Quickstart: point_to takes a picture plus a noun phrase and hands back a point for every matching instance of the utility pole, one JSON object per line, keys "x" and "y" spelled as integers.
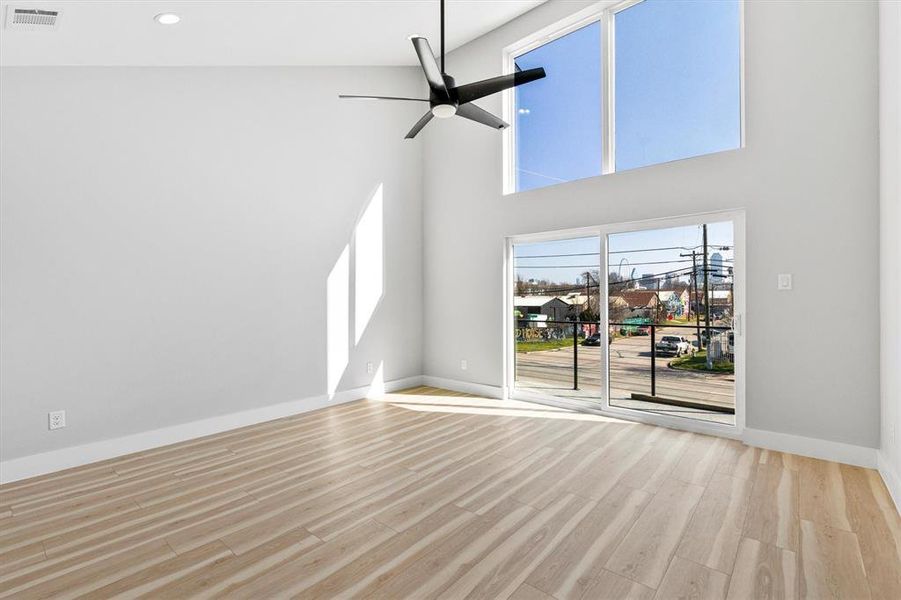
{"x": 657, "y": 306}
{"x": 693, "y": 282}
{"x": 707, "y": 298}
{"x": 587, "y": 290}
{"x": 732, "y": 296}
{"x": 691, "y": 294}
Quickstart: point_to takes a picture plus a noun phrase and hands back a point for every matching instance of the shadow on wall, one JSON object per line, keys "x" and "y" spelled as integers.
{"x": 364, "y": 275}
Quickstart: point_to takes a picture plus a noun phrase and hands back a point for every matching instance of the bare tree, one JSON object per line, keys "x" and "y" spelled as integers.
{"x": 520, "y": 286}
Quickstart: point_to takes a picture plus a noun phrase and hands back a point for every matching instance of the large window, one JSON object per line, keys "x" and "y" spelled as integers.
{"x": 628, "y": 85}
{"x": 677, "y": 81}
{"x": 558, "y": 120}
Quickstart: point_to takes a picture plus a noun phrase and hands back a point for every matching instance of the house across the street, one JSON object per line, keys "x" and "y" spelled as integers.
{"x": 553, "y": 307}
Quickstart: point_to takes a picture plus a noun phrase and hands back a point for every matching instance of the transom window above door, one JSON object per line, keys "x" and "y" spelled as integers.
{"x": 629, "y": 84}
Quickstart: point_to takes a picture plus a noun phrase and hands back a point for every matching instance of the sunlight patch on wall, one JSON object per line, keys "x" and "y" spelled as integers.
{"x": 337, "y": 320}
{"x": 368, "y": 263}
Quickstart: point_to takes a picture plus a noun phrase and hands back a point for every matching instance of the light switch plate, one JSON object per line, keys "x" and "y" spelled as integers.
{"x": 784, "y": 282}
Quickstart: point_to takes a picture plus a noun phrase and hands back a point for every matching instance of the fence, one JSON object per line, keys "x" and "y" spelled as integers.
{"x": 719, "y": 346}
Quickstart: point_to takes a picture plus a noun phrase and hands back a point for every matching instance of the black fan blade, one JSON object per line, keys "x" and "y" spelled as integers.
{"x": 429, "y": 65}
{"x": 486, "y": 87}
{"x": 382, "y": 98}
{"x": 419, "y": 125}
{"x": 480, "y": 115}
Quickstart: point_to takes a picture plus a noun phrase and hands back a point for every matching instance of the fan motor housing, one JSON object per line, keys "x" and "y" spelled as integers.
{"x": 436, "y": 98}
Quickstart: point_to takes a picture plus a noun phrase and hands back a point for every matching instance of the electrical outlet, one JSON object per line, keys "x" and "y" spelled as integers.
{"x": 56, "y": 419}
{"x": 464, "y": 365}
{"x": 784, "y": 282}
{"x": 369, "y": 368}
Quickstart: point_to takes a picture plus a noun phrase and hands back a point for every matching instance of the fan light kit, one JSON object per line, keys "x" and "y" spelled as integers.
{"x": 446, "y": 98}
{"x": 167, "y": 19}
{"x": 444, "y": 111}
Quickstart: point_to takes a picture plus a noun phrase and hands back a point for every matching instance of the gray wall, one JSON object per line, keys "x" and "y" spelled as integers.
{"x": 890, "y": 221}
{"x": 167, "y": 234}
{"x": 808, "y": 179}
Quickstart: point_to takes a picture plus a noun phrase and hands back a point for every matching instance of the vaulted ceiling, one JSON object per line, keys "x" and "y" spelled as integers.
{"x": 247, "y": 32}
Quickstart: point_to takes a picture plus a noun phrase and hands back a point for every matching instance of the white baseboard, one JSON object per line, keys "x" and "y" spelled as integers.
{"x": 467, "y": 387}
{"x": 860, "y": 456}
{"x": 76, "y": 456}
{"x": 891, "y": 478}
{"x": 48, "y": 462}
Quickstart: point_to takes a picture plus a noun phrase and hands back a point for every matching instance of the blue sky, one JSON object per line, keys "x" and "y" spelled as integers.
{"x": 556, "y": 268}
{"x": 569, "y": 269}
{"x": 559, "y": 139}
{"x": 677, "y": 92}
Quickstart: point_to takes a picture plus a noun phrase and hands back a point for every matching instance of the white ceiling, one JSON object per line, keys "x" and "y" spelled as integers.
{"x": 247, "y": 32}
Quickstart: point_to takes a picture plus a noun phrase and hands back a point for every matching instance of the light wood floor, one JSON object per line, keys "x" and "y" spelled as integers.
{"x": 431, "y": 494}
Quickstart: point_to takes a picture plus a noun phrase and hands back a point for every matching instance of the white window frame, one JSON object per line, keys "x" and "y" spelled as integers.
{"x": 511, "y": 392}
{"x": 605, "y": 13}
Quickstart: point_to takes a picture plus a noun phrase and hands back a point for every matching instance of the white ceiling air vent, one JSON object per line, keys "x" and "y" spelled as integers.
{"x": 31, "y": 19}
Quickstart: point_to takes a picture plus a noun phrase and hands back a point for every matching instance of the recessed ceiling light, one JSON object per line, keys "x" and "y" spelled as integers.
{"x": 167, "y": 18}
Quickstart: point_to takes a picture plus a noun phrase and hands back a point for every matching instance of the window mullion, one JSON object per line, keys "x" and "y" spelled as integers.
{"x": 508, "y": 140}
{"x": 608, "y": 65}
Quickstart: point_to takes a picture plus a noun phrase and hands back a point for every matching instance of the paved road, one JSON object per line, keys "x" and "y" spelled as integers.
{"x": 630, "y": 365}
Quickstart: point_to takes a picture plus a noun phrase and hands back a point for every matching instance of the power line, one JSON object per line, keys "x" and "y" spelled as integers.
{"x": 614, "y": 266}
{"x": 631, "y": 264}
{"x": 661, "y": 262}
{"x": 551, "y": 177}
{"x": 559, "y": 255}
{"x": 717, "y": 246}
{"x": 559, "y": 267}
{"x": 651, "y": 262}
{"x": 711, "y": 269}
{"x": 647, "y": 250}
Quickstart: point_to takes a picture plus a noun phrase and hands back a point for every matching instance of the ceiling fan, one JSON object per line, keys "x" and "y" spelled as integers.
{"x": 446, "y": 98}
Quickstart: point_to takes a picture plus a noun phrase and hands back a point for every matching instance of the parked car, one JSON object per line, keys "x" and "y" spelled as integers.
{"x": 593, "y": 340}
{"x": 673, "y": 344}
{"x": 635, "y": 330}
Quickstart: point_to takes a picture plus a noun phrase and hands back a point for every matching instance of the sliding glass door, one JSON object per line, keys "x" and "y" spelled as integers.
{"x": 631, "y": 318}
{"x": 556, "y": 301}
{"x": 670, "y": 321}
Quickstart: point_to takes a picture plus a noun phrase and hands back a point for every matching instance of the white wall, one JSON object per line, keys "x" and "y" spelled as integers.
{"x": 167, "y": 234}
{"x": 807, "y": 179}
{"x": 890, "y": 236}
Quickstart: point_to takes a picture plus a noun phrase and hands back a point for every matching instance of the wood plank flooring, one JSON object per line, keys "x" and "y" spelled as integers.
{"x": 432, "y": 494}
